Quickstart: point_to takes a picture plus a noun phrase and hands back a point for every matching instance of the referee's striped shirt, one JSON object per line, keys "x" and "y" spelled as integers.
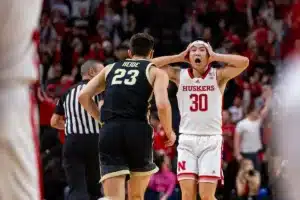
{"x": 77, "y": 120}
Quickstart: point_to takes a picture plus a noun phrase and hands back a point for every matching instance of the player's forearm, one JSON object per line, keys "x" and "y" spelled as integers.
{"x": 90, "y": 106}
{"x": 165, "y": 60}
{"x": 165, "y": 117}
{"x": 233, "y": 60}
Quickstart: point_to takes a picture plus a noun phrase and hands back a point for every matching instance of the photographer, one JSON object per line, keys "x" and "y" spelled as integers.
{"x": 247, "y": 181}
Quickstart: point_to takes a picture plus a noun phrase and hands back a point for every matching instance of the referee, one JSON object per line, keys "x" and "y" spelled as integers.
{"x": 80, "y": 151}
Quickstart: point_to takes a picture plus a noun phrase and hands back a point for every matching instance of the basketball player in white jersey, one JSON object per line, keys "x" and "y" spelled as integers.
{"x": 200, "y": 93}
{"x": 18, "y": 61}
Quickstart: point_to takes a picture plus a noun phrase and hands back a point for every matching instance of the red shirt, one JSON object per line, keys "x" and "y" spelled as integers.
{"x": 159, "y": 142}
{"x": 46, "y": 109}
{"x": 228, "y": 134}
{"x": 95, "y": 54}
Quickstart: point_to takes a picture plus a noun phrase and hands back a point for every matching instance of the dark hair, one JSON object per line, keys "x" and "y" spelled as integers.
{"x": 141, "y": 44}
{"x": 251, "y": 108}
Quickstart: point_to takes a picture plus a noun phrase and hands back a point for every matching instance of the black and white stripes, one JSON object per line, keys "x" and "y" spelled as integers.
{"x": 78, "y": 121}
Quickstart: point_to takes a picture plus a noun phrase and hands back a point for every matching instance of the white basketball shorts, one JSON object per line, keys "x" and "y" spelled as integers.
{"x": 200, "y": 158}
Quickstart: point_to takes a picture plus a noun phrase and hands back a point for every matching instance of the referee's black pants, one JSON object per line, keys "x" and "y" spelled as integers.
{"x": 81, "y": 165}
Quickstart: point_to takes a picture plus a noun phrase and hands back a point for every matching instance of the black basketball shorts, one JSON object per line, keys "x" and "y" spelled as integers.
{"x": 125, "y": 148}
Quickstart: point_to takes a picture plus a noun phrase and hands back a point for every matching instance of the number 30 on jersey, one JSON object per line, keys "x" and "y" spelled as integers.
{"x": 119, "y": 75}
{"x": 199, "y": 102}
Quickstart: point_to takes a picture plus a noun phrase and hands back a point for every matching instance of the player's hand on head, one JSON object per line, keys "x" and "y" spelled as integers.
{"x": 212, "y": 54}
{"x": 171, "y": 138}
{"x": 184, "y": 54}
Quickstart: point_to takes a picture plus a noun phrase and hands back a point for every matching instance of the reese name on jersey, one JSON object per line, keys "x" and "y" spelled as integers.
{"x": 201, "y": 88}
{"x": 130, "y": 64}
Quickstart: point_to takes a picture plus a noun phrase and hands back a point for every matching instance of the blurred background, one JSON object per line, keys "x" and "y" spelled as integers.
{"x": 266, "y": 31}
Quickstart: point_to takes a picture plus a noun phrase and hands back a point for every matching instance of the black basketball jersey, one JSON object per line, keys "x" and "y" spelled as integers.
{"x": 128, "y": 91}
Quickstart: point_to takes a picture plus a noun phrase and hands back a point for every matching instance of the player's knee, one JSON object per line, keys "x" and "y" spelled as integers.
{"x": 187, "y": 194}
{"x": 135, "y": 194}
{"x": 206, "y": 196}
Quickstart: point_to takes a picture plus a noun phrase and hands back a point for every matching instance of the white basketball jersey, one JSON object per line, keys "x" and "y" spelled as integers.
{"x": 200, "y": 103}
{"x": 19, "y": 19}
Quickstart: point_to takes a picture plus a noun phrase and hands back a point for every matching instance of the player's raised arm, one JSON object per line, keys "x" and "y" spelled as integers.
{"x": 94, "y": 87}
{"x": 166, "y": 60}
{"x": 235, "y": 64}
{"x": 160, "y": 88}
{"x": 173, "y": 73}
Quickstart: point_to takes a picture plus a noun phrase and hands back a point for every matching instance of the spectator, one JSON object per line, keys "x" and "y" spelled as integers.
{"x": 122, "y": 52}
{"x": 230, "y": 166}
{"x": 80, "y": 8}
{"x": 228, "y": 134}
{"x": 247, "y": 181}
{"x": 191, "y": 30}
{"x": 162, "y": 184}
{"x": 248, "y": 140}
{"x": 236, "y": 110}
{"x": 60, "y": 7}
{"x": 159, "y": 137}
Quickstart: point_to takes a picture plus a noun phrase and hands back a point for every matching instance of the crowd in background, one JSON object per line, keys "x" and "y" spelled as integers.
{"x": 72, "y": 31}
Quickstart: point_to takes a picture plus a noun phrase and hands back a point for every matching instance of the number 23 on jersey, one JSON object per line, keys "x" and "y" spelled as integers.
{"x": 119, "y": 77}
{"x": 199, "y": 102}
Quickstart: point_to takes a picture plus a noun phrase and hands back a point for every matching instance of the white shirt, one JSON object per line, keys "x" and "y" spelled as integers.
{"x": 249, "y": 132}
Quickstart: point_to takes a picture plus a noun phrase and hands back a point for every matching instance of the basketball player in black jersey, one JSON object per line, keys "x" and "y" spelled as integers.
{"x": 125, "y": 142}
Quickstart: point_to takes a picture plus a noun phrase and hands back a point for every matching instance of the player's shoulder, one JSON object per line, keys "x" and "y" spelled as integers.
{"x": 154, "y": 71}
{"x": 153, "y": 74}
{"x": 108, "y": 68}
{"x": 110, "y": 65}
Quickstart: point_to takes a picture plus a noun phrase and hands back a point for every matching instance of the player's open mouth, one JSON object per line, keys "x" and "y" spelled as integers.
{"x": 197, "y": 60}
